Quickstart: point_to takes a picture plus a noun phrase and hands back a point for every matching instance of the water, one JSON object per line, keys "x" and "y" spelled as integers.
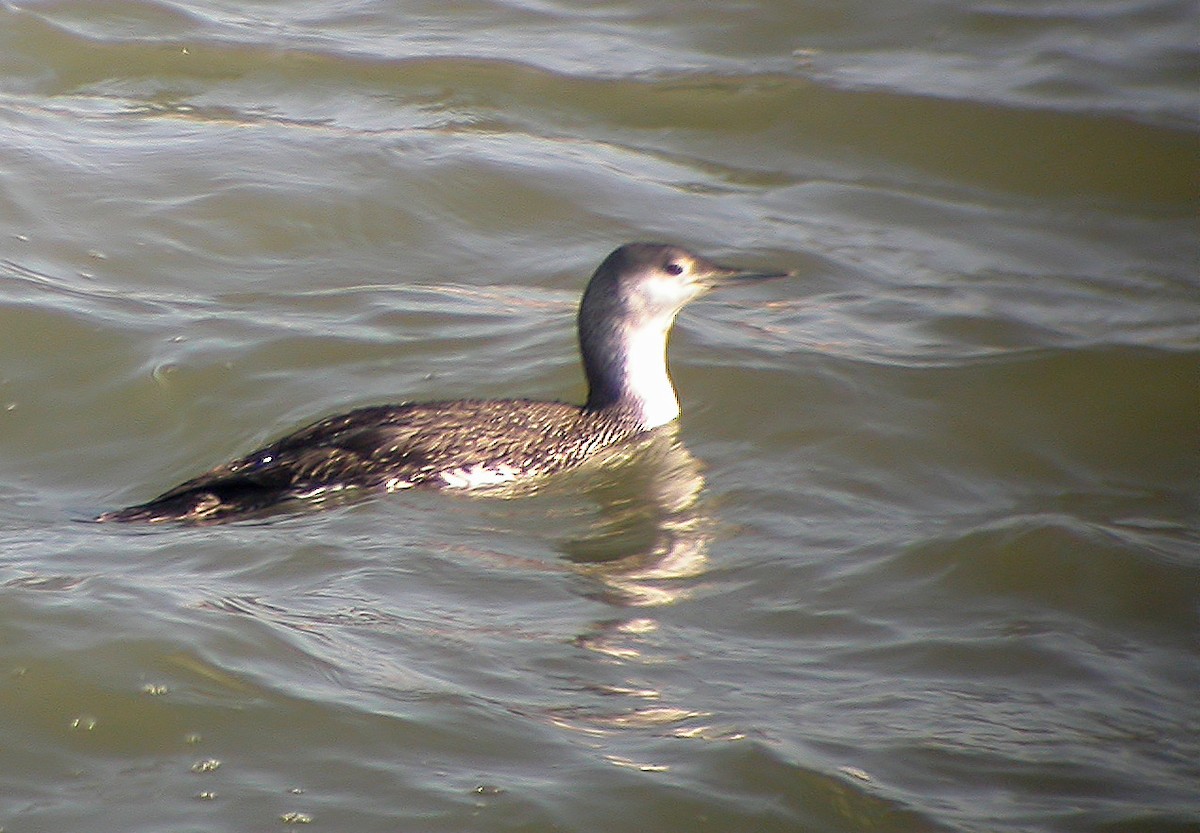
{"x": 924, "y": 553}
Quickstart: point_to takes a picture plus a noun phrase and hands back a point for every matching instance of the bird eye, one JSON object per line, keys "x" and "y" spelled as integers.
{"x": 673, "y": 268}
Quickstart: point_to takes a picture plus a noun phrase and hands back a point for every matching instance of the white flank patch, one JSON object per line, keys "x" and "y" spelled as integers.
{"x": 479, "y": 475}
{"x": 320, "y": 491}
{"x": 396, "y": 484}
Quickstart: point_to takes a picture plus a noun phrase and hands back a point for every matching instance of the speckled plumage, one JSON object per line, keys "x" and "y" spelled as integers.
{"x": 394, "y": 447}
{"x": 624, "y": 319}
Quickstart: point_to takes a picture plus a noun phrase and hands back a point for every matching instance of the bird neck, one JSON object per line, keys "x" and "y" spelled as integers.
{"x": 626, "y": 368}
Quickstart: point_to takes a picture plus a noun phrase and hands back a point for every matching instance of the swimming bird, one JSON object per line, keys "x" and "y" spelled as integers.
{"x": 624, "y": 320}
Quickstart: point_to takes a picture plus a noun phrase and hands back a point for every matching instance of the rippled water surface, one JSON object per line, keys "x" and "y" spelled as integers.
{"x": 922, "y": 555}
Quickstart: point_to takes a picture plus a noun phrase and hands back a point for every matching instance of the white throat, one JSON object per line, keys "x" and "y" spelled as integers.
{"x": 645, "y": 379}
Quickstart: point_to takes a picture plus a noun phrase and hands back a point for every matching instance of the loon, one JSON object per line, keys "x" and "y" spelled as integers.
{"x": 624, "y": 320}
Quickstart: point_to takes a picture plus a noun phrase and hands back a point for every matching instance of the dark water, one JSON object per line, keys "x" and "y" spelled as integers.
{"x": 923, "y": 555}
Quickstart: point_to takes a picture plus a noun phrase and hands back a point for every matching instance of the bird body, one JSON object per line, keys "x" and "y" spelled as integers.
{"x": 624, "y": 321}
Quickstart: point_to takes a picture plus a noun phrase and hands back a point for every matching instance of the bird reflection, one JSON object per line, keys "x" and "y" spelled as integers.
{"x": 651, "y": 531}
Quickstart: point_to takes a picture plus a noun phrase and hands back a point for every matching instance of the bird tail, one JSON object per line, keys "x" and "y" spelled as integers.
{"x": 193, "y": 505}
{"x": 212, "y": 499}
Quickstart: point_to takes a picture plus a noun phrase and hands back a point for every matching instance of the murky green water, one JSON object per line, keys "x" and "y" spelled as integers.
{"x": 923, "y": 555}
